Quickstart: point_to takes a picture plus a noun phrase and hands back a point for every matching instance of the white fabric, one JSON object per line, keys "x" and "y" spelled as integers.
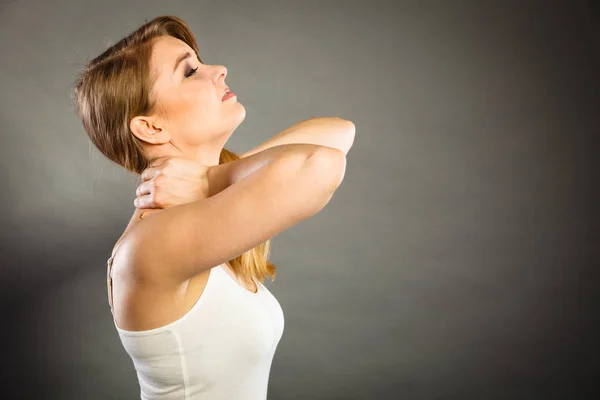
{"x": 221, "y": 349}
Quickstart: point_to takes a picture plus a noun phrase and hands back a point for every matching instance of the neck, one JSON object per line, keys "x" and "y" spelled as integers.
{"x": 206, "y": 155}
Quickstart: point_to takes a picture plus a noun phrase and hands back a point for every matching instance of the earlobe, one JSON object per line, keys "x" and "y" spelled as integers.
{"x": 144, "y": 129}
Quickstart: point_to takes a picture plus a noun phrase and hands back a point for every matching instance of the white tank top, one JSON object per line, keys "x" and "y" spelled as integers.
{"x": 221, "y": 349}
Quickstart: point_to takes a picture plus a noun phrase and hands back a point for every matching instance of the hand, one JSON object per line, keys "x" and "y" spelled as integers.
{"x": 170, "y": 181}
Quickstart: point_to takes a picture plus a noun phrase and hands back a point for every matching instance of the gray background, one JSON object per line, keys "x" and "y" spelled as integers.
{"x": 454, "y": 262}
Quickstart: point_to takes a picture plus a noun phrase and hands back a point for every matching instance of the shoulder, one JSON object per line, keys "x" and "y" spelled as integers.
{"x": 127, "y": 254}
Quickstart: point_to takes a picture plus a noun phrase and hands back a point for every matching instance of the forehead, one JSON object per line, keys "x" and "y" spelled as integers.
{"x": 165, "y": 51}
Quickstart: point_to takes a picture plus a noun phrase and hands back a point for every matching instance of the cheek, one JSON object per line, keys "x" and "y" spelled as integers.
{"x": 196, "y": 113}
{"x": 193, "y": 107}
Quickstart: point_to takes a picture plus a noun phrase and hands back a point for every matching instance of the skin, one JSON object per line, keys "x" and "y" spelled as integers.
{"x": 190, "y": 121}
{"x": 184, "y": 183}
{"x": 189, "y": 127}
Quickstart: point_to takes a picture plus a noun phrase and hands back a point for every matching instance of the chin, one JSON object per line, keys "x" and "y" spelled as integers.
{"x": 240, "y": 114}
{"x": 234, "y": 119}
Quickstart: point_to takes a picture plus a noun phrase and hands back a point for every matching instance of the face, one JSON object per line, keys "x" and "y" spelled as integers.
{"x": 189, "y": 97}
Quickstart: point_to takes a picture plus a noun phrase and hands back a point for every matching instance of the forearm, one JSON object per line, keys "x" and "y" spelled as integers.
{"x": 223, "y": 175}
{"x": 332, "y": 132}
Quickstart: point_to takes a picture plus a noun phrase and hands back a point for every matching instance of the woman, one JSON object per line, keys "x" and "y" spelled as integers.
{"x": 185, "y": 286}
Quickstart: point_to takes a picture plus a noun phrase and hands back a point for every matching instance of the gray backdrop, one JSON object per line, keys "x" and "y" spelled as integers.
{"x": 454, "y": 262}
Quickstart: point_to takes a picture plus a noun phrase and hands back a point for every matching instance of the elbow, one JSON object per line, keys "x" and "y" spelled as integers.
{"x": 325, "y": 169}
{"x": 339, "y": 133}
{"x": 332, "y": 167}
{"x": 329, "y": 165}
{"x": 350, "y": 132}
{"x": 347, "y": 132}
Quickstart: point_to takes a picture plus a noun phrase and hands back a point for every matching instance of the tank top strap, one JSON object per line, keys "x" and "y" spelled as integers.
{"x": 109, "y": 275}
{"x": 110, "y": 263}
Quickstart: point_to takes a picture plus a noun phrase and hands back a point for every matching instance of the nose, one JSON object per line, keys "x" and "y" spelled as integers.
{"x": 220, "y": 73}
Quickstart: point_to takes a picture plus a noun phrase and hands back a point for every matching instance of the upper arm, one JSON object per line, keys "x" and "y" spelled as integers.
{"x": 332, "y": 132}
{"x": 187, "y": 239}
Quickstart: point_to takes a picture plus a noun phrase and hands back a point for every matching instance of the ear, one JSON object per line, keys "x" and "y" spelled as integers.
{"x": 145, "y": 129}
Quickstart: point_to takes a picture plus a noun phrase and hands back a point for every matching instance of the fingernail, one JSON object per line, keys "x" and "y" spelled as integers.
{"x": 136, "y": 202}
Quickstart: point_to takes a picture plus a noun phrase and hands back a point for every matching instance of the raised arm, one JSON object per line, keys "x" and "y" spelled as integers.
{"x": 184, "y": 240}
{"x": 324, "y": 131}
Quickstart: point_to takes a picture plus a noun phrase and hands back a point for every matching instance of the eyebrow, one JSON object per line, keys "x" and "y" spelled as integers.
{"x": 180, "y": 59}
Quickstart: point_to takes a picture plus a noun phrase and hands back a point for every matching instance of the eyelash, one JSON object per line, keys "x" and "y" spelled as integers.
{"x": 191, "y": 72}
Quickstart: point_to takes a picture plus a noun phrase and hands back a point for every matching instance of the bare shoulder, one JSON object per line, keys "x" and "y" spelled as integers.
{"x": 142, "y": 299}
{"x": 126, "y": 246}
{"x": 184, "y": 240}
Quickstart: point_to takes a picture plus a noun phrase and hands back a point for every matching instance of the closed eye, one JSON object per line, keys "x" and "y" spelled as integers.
{"x": 191, "y": 72}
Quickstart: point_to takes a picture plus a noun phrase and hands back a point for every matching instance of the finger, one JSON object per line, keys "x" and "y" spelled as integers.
{"x": 144, "y": 188}
{"x": 145, "y": 201}
{"x": 158, "y": 161}
{"x": 149, "y": 173}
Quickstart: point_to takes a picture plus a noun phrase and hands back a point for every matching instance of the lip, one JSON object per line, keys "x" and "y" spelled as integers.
{"x": 227, "y": 94}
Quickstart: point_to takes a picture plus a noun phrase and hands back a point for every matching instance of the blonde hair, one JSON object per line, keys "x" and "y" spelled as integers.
{"x": 115, "y": 87}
